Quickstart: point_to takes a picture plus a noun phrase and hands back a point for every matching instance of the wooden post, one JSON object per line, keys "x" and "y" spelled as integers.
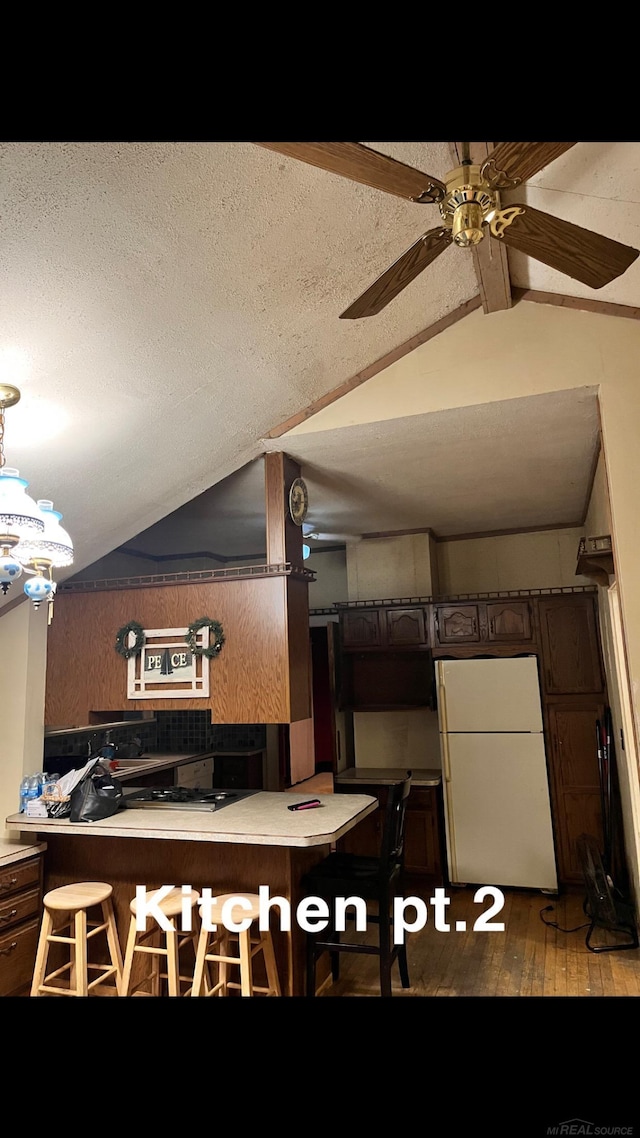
{"x": 284, "y": 537}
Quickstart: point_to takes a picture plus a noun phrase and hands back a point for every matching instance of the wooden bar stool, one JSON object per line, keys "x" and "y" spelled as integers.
{"x": 73, "y": 901}
{"x": 215, "y": 948}
{"x": 170, "y": 951}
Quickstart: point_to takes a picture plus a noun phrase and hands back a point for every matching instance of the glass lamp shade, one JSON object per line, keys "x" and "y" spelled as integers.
{"x": 52, "y": 545}
{"x": 306, "y": 550}
{"x": 10, "y": 569}
{"x": 38, "y": 589}
{"x": 19, "y": 515}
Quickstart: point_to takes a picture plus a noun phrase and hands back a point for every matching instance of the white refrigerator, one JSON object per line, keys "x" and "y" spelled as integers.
{"x": 495, "y": 782}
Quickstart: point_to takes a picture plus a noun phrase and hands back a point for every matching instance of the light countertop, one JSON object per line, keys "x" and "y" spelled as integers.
{"x": 153, "y": 761}
{"x": 19, "y": 850}
{"x": 261, "y": 819}
{"x": 387, "y": 776}
{"x": 157, "y": 761}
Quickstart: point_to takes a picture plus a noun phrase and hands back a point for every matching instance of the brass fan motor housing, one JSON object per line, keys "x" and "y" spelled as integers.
{"x": 468, "y": 205}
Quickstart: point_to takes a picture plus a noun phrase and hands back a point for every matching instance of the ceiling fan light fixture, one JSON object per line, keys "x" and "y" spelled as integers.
{"x": 467, "y": 225}
{"x": 31, "y": 537}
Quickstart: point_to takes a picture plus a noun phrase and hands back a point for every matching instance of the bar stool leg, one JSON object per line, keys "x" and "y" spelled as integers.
{"x": 109, "y": 917}
{"x": 42, "y": 953}
{"x": 270, "y": 962}
{"x": 128, "y": 957}
{"x": 246, "y": 971}
{"x": 80, "y": 952}
{"x": 223, "y": 967}
{"x": 172, "y": 963}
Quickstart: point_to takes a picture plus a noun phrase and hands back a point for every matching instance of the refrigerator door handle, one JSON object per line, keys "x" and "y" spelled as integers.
{"x": 446, "y": 764}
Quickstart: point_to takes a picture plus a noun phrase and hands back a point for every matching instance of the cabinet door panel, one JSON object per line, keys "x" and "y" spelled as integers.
{"x": 509, "y": 620}
{"x": 575, "y": 782}
{"x": 421, "y": 848}
{"x": 570, "y": 645}
{"x": 405, "y": 627}
{"x": 457, "y": 624}
{"x": 361, "y": 629}
{"x": 17, "y": 957}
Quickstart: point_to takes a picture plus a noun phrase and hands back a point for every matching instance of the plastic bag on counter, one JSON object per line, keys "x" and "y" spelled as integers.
{"x": 98, "y": 795}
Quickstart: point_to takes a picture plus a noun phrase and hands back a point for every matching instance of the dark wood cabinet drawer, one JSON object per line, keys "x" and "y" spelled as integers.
{"x": 509, "y": 621}
{"x": 457, "y": 624}
{"x": 17, "y": 957}
{"x": 18, "y": 908}
{"x": 19, "y": 876}
{"x": 361, "y": 629}
{"x": 423, "y": 798}
{"x": 406, "y": 627}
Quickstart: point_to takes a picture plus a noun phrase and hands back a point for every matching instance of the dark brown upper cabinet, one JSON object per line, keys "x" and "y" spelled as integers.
{"x": 457, "y": 624}
{"x": 384, "y": 628}
{"x": 508, "y": 620}
{"x": 570, "y": 645}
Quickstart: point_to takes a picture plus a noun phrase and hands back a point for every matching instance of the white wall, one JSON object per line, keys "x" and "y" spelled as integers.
{"x": 385, "y": 567}
{"x": 407, "y": 739}
{"x": 23, "y": 640}
{"x": 330, "y": 584}
{"x": 541, "y": 560}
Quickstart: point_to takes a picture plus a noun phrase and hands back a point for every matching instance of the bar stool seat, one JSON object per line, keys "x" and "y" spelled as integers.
{"x": 73, "y": 902}
{"x": 170, "y": 951}
{"x": 215, "y": 947}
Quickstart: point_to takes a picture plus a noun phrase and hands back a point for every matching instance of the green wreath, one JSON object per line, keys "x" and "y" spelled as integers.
{"x": 216, "y": 637}
{"x": 122, "y": 638}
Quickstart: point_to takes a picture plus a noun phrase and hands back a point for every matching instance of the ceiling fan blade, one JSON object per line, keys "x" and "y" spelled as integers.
{"x": 400, "y": 274}
{"x": 580, "y": 253}
{"x": 519, "y": 161}
{"x": 361, "y": 164}
{"x": 341, "y": 537}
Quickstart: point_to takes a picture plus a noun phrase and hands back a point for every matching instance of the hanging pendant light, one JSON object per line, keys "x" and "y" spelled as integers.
{"x": 31, "y": 537}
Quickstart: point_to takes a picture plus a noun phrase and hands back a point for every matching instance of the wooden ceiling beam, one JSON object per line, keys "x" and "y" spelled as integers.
{"x": 489, "y": 257}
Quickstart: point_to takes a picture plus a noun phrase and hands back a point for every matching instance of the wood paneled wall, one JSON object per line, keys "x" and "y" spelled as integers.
{"x": 260, "y": 676}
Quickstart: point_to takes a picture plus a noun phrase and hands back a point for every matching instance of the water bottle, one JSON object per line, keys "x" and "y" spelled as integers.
{"x": 33, "y": 788}
{"x": 24, "y": 793}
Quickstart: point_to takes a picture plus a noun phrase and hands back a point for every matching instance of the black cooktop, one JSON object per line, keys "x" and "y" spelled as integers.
{"x": 184, "y": 797}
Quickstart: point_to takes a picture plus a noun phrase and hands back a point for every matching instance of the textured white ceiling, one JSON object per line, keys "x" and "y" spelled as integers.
{"x": 172, "y": 302}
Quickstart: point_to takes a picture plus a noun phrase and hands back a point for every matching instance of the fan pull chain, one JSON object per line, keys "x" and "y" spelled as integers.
{"x": 1, "y": 437}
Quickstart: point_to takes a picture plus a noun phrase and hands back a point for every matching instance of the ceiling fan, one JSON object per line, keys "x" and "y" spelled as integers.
{"x": 470, "y": 208}
{"x": 310, "y": 531}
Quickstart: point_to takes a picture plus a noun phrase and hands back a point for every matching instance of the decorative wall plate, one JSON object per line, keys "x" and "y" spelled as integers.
{"x": 298, "y": 501}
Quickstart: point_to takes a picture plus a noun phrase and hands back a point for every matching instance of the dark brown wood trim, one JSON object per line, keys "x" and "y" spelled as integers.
{"x": 506, "y": 532}
{"x": 592, "y": 478}
{"x": 153, "y": 580}
{"x": 584, "y": 304}
{"x": 398, "y": 532}
{"x": 490, "y": 256}
{"x": 13, "y": 604}
{"x": 205, "y": 553}
{"x": 373, "y": 369}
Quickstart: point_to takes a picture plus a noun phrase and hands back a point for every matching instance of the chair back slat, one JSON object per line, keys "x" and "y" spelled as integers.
{"x": 392, "y": 845}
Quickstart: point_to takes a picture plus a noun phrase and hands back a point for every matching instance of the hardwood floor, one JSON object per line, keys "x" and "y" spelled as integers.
{"x": 527, "y": 959}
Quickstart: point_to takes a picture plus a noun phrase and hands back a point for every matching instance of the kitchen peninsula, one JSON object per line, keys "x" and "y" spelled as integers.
{"x": 255, "y": 841}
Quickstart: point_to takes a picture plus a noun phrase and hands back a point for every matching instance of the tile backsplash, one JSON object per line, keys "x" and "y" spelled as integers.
{"x": 182, "y": 730}
{"x": 169, "y": 731}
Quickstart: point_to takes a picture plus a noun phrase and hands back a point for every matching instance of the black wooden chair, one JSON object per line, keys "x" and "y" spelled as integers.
{"x": 375, "y": 879}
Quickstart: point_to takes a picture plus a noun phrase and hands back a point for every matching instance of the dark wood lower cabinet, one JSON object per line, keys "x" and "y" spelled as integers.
{"x": 574, "y": 778}
{"x": 20, "y": 915}
{"x": 423, "y": 832}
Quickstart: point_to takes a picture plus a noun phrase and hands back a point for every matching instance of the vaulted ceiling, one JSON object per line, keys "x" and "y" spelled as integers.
{"x": 165, "y": 306}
